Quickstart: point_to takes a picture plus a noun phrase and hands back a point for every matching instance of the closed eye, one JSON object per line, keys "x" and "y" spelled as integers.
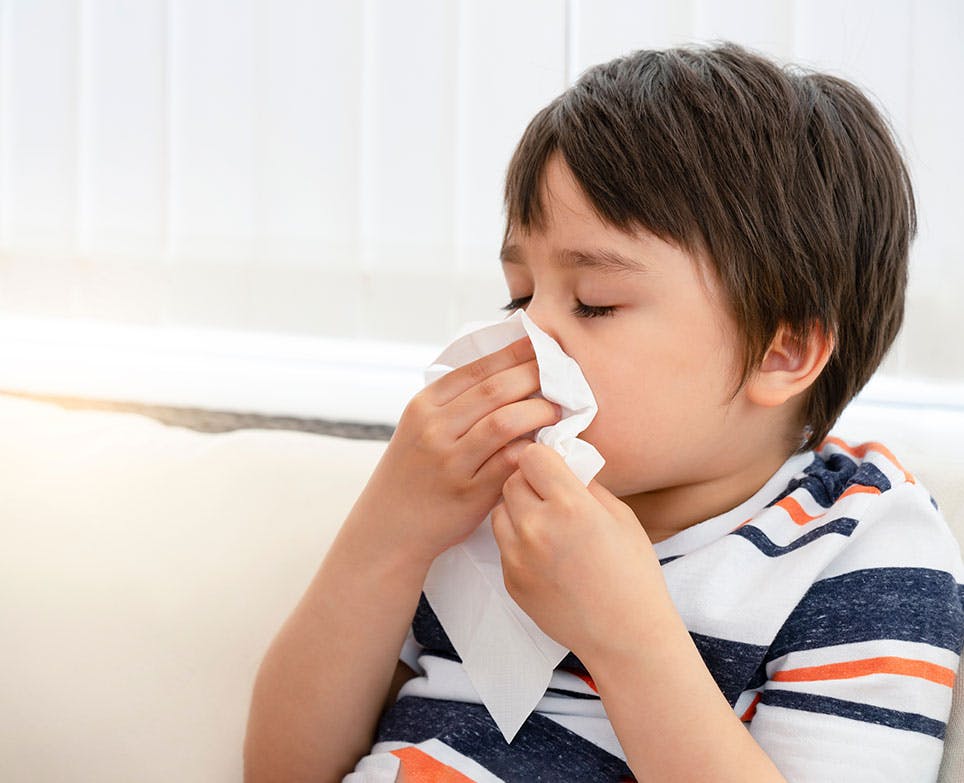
{"x": 580, "y": 310}
{"x": 590, "y": 311}
{"x": 516, "y": 303}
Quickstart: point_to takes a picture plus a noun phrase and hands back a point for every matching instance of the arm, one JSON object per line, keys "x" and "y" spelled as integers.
{"x": 578, "y": 562}
{"x": 666, "y": 709}
{"x": 323, "y": 683}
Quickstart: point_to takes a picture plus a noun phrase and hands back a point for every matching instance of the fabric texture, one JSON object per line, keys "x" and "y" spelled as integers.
{"x": 829, "y": 608}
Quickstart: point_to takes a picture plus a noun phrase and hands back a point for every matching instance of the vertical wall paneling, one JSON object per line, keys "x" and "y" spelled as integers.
{"x": 336, "y": 167}
{"x": 605, "y": 29}
{"x": 869, "y": 44}
{"x": 412, "y": 132}
{"x": 216, "y": 127}
{"x": 936, "y": 118}
{"x": 364, "y": 228}
{"x": 764, "y": 25}
{"x": 121, "y": 183}
{"x": 41, "y": 99}
{"x": 865, "y": 45}
{"x": 510, "y": 65}
{"x": 39, "y": 188}
{"x": 4, "y": 134}
{"x": 305, "y": 276}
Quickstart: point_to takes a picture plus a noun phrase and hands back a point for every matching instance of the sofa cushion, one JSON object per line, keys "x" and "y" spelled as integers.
{"x": 143, "y": 572}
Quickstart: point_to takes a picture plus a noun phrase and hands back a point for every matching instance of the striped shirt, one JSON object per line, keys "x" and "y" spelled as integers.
{"x": 829, "y": 608}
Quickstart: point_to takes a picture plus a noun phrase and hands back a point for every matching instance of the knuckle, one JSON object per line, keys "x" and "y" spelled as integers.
{"x": 521, "y": 350}
{"x": 566, "y": 507}
{"x": 417, "y": 408}
{"x": 535, "y": 537}
{"x": 490, "y": 388}
{"x": 529, "y": 455}
{"x": 432, "y": 437}
{"x": 511, "y": 481}
{"x": 500, "y": 423}
{"x": 461, "y": 488}
{"x": 478, "y": 370}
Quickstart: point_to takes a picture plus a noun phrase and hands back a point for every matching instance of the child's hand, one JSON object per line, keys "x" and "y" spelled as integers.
{"x": 456, "y": 443}
{"x": 575, "y": 558}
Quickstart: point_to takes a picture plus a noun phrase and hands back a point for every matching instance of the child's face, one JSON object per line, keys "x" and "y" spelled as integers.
{"x": 663, "y": 365}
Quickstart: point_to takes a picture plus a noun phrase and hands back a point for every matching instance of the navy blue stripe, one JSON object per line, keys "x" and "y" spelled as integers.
{"x": 827, "y": 478}
{"x": 572, "y": 665}
{"x": 895, "y": 719}
{"x": 843, "y": 526}
{"x": 429, "y": 633}
{"x": 543, "y": 750}
{"x": 907, "y": 604}
{"x": 732, "y": 664}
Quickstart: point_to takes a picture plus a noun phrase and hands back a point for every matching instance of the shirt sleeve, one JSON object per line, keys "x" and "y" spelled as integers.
{"x": 859, "y": 680}
{"x": 410, "y": 652}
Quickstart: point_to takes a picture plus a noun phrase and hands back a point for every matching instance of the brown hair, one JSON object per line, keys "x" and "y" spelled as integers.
{"x": 788, "y": 180}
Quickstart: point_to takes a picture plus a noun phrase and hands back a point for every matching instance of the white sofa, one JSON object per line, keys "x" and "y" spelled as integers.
{"x": 145, "y": 568}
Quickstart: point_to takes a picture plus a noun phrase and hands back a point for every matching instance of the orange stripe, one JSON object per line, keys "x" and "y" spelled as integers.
{"x": 418, "y": 767}
{"x": 855, "y": 489}
{"x": 587, "y": 679}
{"x": 795, "y": 510}
{"x": 751, "y": 710}
{"x": 862, "y": 668}
{"x": 861, "y": 449}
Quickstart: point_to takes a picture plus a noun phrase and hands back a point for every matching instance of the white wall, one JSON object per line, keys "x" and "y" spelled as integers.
{"x": 333, "y": 170}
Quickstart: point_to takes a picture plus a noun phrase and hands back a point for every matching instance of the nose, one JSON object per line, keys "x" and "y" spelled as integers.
{"x": 539, "y": 311}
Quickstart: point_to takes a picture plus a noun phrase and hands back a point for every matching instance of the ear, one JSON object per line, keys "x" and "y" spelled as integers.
{"x": 790, "y": 366}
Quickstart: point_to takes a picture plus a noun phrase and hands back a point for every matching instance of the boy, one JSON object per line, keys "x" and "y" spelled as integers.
{"x": 722, "y": 246}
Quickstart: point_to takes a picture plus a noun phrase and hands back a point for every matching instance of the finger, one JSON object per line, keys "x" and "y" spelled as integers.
{"x": 519, "y": 497}
{"x": 497, "y": 468}
{"x": 547, "y": 472}
{"x": 454, "y": 383}
{"x": 506, "y": 424}
{"x": 502, "y": 527}
{"x": 607, "y": 499}
{"x": 498, "y": 390}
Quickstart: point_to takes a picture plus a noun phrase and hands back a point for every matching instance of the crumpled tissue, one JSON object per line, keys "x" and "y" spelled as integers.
{"x": 507, "y": 657}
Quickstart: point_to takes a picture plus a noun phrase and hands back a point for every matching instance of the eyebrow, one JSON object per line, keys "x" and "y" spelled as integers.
{"x": 599, "y": 259}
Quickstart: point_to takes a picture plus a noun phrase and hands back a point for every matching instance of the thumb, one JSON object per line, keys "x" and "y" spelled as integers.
{"x": 607, "y": 499}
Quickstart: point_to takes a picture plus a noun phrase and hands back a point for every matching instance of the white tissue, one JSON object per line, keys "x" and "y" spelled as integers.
{"x": 507, "y": 657}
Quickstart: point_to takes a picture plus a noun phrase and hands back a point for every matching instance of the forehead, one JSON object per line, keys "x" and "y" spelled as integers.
{"x": 574, "y": 233}
{"x": 570, "y": 229}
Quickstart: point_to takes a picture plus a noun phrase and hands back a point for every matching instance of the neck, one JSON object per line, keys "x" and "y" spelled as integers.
{"x": 670, "y": 510}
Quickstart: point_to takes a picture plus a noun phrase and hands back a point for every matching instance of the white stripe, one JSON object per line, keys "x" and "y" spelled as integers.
{"x": 376, "y": 767}
{"x": 903, "y": 531}
{"x": 743, "y": 702}
{"x": 809, "y": 746}
{"x": 444, "y": 679}
{"x": 571, "y": 682}
{"x": 714, "y": 603}
{"x": 381, "y": 758}
{"x": 856, "y": 651}
{"x": 447, "y": 680}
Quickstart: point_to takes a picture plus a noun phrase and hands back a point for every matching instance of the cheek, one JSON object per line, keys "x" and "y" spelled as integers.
{"x": 619, "y": 409}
